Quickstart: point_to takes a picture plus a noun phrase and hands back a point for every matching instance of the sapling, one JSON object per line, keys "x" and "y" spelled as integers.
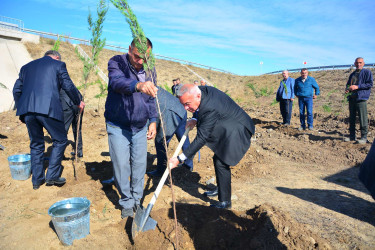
{"x": 97, "y": 44}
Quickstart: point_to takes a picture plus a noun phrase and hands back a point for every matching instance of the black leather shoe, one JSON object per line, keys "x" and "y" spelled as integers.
{"x": 80, "y": 154}
{"x": 58, "y": 181}
{"x": 188, "y": 167}
{"x": 222, "y": 204}
{"x": 211, "y": 193}
{"x": 37, "y": 185}
{"x": 155, "y": 173}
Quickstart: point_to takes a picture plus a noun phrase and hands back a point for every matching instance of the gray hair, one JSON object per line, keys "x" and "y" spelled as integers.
{"x": 359, "y": 58}
{"x": 186, "y": 89}
{"x": 53, "y": 53}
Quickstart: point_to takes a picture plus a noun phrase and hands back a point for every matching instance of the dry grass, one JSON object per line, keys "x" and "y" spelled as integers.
{"x": 332, "y": 83}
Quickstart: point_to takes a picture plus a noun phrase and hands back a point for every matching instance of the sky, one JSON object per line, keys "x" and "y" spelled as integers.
{"x": 249, "y": 37}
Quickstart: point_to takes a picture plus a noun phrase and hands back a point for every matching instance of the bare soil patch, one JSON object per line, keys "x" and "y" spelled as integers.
{"x": 292, "y": 190}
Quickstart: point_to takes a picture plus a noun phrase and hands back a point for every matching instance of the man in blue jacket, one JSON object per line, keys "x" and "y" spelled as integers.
{"x": 359, "y": 89}
{"x": 36, "y": 94}
{"x": 304, "y": 88}
{"x": 285, "y": 95}
{"x": 174, "y": 117}
{"x": 129, "y": 107}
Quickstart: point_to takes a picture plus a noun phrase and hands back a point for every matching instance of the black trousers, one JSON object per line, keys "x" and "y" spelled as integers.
{"x": 71, "y": 118}
{"x": 35, "y": 124}
{"x": 223, "y": 179}
{"x": 359, "y": 107}
{"x": 286, "y": 106}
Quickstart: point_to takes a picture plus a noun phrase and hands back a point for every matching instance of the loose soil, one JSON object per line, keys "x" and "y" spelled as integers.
{"x": 292, "y": 190}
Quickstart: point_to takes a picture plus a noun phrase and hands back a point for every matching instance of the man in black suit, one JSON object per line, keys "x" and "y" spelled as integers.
{"x": 71, "y": 113}
{"x": 223, "y": 126}
{"x": 36, "y": 94}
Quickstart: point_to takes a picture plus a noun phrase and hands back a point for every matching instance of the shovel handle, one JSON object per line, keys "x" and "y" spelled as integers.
{"x": 166, "y": 172}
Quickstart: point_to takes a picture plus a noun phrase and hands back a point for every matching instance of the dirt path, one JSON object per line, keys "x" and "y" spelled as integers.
{"x": 296, "y": 190}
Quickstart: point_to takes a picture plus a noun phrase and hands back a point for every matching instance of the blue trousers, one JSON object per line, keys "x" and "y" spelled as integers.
{"x": 160, "y": 150}
{"x": 305, "y": 103}
{"x": 35, "y": 124}
{"x": 286, "y": 106}
{"x": 128, "y": 151}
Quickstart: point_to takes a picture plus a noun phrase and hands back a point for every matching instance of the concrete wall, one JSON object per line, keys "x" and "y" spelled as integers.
{"x": 13, "y": 56}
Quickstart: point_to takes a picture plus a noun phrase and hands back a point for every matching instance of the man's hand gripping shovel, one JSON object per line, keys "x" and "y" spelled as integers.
{"x": 142, "y": 221}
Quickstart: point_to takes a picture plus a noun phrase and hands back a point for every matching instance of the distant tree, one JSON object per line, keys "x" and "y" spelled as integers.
{"x": 97, "y": 44}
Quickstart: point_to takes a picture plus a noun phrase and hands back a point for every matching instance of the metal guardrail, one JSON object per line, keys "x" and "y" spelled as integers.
{"x": 98, "y": 70}
{"x": 10, "y": 23}
{"x": 331, "y": 67}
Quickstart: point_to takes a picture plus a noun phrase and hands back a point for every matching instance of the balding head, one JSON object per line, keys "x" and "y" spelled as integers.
{"x": 189, "y": 96}
{"x": 285, "y": 74}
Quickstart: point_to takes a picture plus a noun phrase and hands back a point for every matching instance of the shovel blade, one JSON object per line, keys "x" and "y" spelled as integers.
{"x": 142, "y": 222}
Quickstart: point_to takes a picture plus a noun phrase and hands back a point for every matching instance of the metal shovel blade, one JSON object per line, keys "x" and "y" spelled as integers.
{"x": 142, "y": 221}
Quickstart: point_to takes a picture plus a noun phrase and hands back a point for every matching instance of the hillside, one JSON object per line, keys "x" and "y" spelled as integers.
{"x": 292, "y": 190}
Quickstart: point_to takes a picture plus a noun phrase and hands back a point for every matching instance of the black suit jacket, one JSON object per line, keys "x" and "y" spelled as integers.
{"x": 67, "y": 103}
{"x": 38, "y": 86}
{"x": 223, "y": 126}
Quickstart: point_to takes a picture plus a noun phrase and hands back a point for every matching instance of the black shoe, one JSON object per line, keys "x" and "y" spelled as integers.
{"x": 58, "y": 181}
{"x": 37, "y": 186}
{"x": 211, "y": 193}
{"x": 188, "y": 167}
{"x": 222, "y": 204}
{"x": 127, "y": 212}
{"x": 155, "y": 173}
{"x": 80, "y": 154}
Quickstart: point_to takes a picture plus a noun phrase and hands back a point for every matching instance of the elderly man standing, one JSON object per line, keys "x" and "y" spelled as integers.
{"x": 359, "y": 87}
{"x": 130, "y": 105}
{"x": 285, "y": 95}
{"x": 221, "y": 125}
{"x": 36, "y": 94}
{"x": 304, "y": 88}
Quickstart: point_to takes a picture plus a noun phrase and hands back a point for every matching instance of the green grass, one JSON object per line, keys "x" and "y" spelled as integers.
{"x": 327, "y": 107}
{"x": 274, "y": 102}
{"x": 264, "y": 91}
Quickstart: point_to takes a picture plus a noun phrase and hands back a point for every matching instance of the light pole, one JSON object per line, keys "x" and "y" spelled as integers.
{"x": 261, "y": 64}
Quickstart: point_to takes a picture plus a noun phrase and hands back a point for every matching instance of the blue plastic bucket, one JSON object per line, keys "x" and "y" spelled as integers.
{"x": 20, "y": 166}
{"x": 71, "y": 219}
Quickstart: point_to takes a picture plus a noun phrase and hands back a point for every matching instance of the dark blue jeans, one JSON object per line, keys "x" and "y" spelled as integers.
{"x": 35, "y": 124}
{"x": 305, "y": 103}
{"x": 160, "y": 151}
{"x": 286, "y": 106}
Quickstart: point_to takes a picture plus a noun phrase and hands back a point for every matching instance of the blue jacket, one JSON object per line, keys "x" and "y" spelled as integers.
{"x": 124, "y": 107}
{"x": 289, "y": 89}
{"x": 306, "y": 89}
{"x": 365, "y": 83}
{"x": 37, "y": 89}
{"x": 172, "y": 112}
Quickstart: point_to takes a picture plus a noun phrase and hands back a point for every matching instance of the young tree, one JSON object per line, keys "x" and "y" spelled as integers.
{"x": 97, "y": 44}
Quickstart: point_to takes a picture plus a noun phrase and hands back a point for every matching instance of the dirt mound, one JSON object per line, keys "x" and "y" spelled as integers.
{"x": 200, "y": 227}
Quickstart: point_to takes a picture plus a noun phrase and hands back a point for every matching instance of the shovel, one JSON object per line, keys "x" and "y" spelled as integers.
{"x": 142, "y": 221}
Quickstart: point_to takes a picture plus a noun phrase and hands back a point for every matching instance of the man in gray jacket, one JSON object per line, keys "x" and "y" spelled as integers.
{"x": 174, "y": 116}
